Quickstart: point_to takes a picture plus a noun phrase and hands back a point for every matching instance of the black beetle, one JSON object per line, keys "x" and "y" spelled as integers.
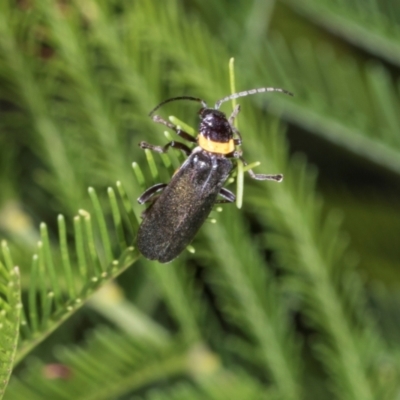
{"x": 177, "y": 213}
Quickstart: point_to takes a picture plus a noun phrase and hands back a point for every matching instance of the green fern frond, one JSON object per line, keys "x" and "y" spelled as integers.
{"x": 55, "y": 293}
{"x": 10, "y": 314}
{"x": 122, "y": 363}
{"x": 125, "y": 364}
{"x": 25, "y": 91}
{"x": 312, "y": 249}
{"x": 86, "y": 100}
{"x": 226, "y": 385}
{"x": 250, "y": 298}
{"x": 334, "y": 100}
{"x": 373, "y": 25}
{"x": 110, "y": 302}
{"x": 67, "y": 105}
{"x": 180, "y": 296}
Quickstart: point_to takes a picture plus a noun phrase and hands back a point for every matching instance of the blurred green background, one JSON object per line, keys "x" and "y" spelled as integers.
{"x": 295, "y": 296}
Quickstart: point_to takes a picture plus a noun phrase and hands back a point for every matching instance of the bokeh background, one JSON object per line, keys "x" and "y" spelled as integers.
{"x": 296, "y": 295}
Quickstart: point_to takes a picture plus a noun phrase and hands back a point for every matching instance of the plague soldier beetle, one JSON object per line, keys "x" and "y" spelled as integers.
{"x": 180, "y": 208}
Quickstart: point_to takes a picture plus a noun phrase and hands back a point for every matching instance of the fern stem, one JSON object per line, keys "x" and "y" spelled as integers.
{"x": 128, "y": 207}
{"x": 139, "y": 175}
{"x": 117, "y": 219}
{"x": 33, "y": 292}
{"x": 98, "y": 268}
{"x": 167, "y": 162}
{"x": 48, "y": 261}
{"x": 46, "y": 309}
{"x": 80, "y": 249}
{"x": 102, "y": 225}
{"x": 43, "y": 285}
{"x": 65, "y": 257}
{"x": 4, "y": 272}
{"x": 26, "y": 332}
{"x": 7, "y": 255}
{"x": 152, "y": 165}
{"x": 4, "y": 305}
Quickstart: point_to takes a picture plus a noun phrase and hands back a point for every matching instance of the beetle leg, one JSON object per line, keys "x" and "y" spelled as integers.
{"x": 164, "y": 149}
{"x": 262, "y": 177}
{"x": 228, "y": 196}
{"x": 178, "y": 131}
{"x": 234, "y": 114}
{"x": 150, "y": 192}
{"x": 238, "y": 140}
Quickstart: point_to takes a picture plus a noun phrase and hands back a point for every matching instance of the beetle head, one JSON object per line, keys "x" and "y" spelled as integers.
{"x": 214, "y": 125}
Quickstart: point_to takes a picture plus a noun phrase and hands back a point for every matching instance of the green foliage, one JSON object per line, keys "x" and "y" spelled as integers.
{"x": 49, "y": 303}
{"x": 10, "y": 292}
{"x": 270, "y": 302}
{"x": 373, "y": 24}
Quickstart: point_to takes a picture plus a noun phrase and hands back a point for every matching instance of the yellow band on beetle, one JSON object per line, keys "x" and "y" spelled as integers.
{"x": 216, "y": 147}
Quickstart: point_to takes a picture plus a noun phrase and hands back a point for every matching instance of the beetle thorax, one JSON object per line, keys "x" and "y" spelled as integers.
{"x": 215, "y": 126}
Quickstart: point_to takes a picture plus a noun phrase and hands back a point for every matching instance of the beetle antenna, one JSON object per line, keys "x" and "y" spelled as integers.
{"x": 248, "y": 92}
{"x": 203, "y": 103}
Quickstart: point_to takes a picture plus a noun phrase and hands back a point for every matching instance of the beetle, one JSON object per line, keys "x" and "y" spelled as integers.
{"x": 178, "y": 209}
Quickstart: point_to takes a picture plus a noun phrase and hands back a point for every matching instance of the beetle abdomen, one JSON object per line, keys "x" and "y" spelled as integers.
{"x": 171, "y": 223}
